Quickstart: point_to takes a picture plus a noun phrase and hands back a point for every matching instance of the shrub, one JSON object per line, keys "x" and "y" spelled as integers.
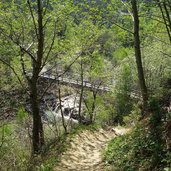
{"x": 143, "y": 149}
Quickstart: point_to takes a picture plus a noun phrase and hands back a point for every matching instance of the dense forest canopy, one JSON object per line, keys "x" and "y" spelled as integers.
{"x": 67, "y": 64}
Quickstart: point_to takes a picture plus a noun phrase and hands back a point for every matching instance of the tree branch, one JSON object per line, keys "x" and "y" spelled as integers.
{"x": 51, "y": 45}
{"x": 47, "y": 4}
{"x": 23, "y": 66}
{"x": 32, "y": 15}
{"x": 66, "y": 70}
{"x": 165, "y": 54}
{"x": 15, "y": 73}
{"x": 122, "y": 28}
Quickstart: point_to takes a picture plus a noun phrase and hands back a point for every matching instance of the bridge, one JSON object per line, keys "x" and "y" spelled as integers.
{"x": 74, "y": 83}
{"x": 86, "y": 84}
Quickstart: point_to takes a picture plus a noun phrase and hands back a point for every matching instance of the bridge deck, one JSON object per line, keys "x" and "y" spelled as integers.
{"x": 75, "y": 82}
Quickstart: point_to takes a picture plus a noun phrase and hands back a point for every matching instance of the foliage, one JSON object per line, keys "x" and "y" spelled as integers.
{"x": 123, "y": 104}
{"x": 50, "y": 157}
{"x": 14, "y": 150}
{"x": 144, "y": 148}
{"x": 21, "y": 115}
{"x": 99, "y": 34}
{"x": 133, "y": 118}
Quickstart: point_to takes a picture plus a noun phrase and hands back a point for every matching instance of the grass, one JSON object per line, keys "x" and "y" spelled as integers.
{"x": 143, "y": 149}
{"x": 15, "y": 148}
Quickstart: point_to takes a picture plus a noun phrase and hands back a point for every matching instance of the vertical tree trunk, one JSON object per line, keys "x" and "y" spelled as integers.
{"x": 138, "y": 54}
{"x": 81, "y": 93}
{"x": 40, "y": 35}
{"x": 38, "y": 135}
{"x": 92, "y": 115}
{"x": 60, "y": 105}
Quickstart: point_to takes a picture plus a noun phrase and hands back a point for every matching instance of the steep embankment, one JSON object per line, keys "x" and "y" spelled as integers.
{"x": 84, "y": 151}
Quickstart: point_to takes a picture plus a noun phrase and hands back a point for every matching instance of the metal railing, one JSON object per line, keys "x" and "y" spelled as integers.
{"x": 75, "y": 82}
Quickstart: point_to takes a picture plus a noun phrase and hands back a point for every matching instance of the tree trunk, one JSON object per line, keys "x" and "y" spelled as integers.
{"x": 92, "y": 115}
{"x": 38, "y": 134}
{"x": 138, "y": 54}
{"x": 37, "y": 137}
{"x": 81, "y": 93}
{"x": 60, "y": 105}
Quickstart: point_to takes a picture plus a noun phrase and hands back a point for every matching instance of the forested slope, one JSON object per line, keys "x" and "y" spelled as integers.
{"x": 123, "y": 46}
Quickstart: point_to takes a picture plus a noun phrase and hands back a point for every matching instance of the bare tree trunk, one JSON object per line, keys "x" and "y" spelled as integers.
{"x": 91, "y": 111}
{"x": 81, "y": 93}
{"x": 38, "y": 135}
{"x": 138, "y": 54}
{"x": 92, "y": 116}
{"x": 60, "y": 105}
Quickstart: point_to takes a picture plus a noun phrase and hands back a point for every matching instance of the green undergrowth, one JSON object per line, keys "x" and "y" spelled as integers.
{"x": 15, "y": 146}
{"x": 81, "y": 127}
{"x": 144, "y": 148}
{"x": 50, "y": 156}
{"x": 137, "y": 151}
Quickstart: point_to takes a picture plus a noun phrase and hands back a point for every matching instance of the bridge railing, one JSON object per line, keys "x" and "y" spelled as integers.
{"x": 133, "y": 94}
{"x": 75, "y": 82}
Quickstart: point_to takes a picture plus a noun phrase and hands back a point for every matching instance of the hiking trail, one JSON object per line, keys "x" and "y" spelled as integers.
{"x": 85, "y": 150}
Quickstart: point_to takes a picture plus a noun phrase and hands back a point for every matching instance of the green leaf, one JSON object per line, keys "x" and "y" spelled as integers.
{"x": 21, "y": 115}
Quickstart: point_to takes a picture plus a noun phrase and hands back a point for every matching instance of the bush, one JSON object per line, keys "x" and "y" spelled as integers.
{"x": 144, "y": 149}
{"x": 14, "y": 152}
{"x": 123, "y": 102}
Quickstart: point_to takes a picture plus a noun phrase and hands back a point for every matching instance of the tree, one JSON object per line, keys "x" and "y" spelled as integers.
{"x": 123, "y": 102}
{"x": 38, "y": 135}
{"x": 138, "y": 54}
{"x": 35, "y": 30}
{"x": 16, "y": 32}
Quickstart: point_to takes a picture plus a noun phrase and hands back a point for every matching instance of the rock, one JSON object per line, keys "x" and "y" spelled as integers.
{"x": 67, "y": 111}
{"x": 86, "y": 121}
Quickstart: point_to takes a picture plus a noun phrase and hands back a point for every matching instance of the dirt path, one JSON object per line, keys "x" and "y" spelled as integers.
{"x": 85, "y": 151}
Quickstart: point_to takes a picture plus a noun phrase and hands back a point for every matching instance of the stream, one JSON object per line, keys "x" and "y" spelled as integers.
{"x": 70, "y": 109}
